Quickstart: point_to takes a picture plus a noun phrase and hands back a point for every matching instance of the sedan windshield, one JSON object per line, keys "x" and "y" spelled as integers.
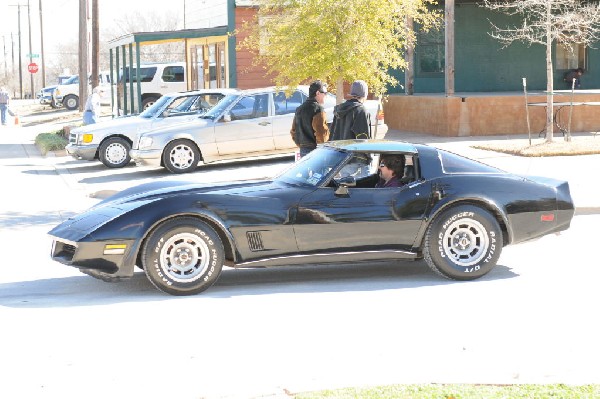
{"x": 315, "y": 168}
{"x": 216, "y": 111}
{"x": 155, "y": 108}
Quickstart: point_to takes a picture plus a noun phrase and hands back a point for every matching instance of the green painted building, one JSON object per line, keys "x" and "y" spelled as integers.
{"x": 481, "y": 64}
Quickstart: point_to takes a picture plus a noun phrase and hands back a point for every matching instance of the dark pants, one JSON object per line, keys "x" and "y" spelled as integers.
{"x": 305, "y": 150}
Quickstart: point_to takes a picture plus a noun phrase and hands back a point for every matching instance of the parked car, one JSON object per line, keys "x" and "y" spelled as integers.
{"x": 155, "y": 80}
{"x": 455, "y": 213}
{"x": 45, "y": 96}
{"x": 110, "y": 141}
{"x": 246, "y": 124}
{"x": 67, "y": 93}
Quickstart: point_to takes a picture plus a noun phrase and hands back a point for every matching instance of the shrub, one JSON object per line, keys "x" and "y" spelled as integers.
{"x": 51, "y": 141}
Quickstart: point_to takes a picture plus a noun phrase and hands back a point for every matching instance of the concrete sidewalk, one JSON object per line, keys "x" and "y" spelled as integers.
{"x": 580, "y": 171}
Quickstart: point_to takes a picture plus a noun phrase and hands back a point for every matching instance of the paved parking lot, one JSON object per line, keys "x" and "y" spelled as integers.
{"x": 266, "y": 332}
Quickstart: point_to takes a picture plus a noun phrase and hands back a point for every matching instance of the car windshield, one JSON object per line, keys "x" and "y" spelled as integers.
{"x": 72, "y": 80}
{"x": 315, "y": 168}
{"x": 153, "y": 110}
{"x": 221, "y": 106}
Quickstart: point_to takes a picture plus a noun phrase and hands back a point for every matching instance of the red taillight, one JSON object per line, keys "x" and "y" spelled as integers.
{"x": 549, "y": 217}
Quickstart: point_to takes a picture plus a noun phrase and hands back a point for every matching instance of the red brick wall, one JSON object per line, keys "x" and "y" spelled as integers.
{"x": 248, "y": 76}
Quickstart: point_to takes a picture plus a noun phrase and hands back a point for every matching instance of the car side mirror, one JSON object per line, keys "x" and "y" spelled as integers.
{"x": 342, "y": 191}
{"x": 166, "y": 113}
{"x": 227, "y": 117}
{"x": 347, "y": 181}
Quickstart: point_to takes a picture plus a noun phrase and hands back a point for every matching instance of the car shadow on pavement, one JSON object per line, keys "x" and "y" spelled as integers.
{"x": 77, "y": 291}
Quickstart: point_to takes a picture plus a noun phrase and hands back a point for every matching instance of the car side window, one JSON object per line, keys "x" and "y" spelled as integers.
{"x": 249, "y": 107}
{"x": 173, "y": 74}
{"x": 285, "y": 105}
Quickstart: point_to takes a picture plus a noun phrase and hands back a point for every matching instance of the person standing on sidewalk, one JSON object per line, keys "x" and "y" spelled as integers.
{"x": 309, "y": 126}
{"x": 4, "y": 103}
{"x": 350, "y": 119}
{"x": 91, "y": 113}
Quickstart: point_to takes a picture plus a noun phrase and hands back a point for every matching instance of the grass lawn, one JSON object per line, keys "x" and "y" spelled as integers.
{"x": 579, "y": 145}
{"x": 460, "y": 391}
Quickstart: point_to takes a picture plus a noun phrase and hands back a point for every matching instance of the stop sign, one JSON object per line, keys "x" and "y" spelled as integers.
{"x": 32, "y": 68}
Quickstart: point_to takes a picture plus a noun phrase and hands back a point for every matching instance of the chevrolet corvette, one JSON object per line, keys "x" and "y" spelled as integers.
{"x": 455, "y": 213}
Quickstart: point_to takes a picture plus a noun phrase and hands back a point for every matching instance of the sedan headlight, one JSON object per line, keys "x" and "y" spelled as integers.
{"x": 145, "y": 142}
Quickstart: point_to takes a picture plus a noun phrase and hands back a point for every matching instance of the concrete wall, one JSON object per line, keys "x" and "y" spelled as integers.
{"x": 474, "y": 114}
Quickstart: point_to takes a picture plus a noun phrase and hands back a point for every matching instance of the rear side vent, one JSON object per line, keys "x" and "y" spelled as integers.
{"x": 254, "y": 241}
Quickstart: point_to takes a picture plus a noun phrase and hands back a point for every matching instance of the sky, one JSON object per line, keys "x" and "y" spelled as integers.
{"x": 60, "y": 21}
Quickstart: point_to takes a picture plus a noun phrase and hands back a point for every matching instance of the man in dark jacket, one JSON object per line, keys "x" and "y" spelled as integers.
{"x": 350, "y": 119}
{"x": 309, "y": 126}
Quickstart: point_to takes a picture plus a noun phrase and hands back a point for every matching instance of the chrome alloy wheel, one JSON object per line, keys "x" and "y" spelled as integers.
{"x": 185, "y": 257}
{"x": 182, "y": 156}
{"x": 465, "y": 242}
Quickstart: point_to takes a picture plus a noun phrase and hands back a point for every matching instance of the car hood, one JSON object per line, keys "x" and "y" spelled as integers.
{"x": 150, "y": 192}
{"x": 121, "y": 122}
{"x": 197, "y": 123}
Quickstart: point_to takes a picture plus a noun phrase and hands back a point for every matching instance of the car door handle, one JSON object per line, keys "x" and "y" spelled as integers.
{"x": 264, "y": 123}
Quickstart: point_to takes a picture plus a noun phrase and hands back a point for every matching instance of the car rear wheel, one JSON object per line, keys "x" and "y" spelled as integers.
{"x": 181, "y": 156}
{"x": 147, "y": 102}
{"x": 183, "y": 256}
{"x": 463, "y": 243}
{"x": 71, "y": 102}
{"x": 114, "y": 152}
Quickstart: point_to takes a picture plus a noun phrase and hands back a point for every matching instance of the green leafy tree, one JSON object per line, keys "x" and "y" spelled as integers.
{"x": 339, "y": 41}
{"x": 545, "y": 22}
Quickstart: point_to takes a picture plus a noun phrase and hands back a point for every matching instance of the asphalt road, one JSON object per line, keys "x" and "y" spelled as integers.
{"x": 265, "y": 332}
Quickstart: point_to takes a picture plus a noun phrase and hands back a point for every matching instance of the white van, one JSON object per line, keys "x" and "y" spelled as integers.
{"x": 155, "y": 80}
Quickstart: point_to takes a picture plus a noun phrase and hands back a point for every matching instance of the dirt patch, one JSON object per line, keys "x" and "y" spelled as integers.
{"x": 579, "y": 145}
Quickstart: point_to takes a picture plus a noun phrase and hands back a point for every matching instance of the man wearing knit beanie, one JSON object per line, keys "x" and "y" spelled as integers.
{"x": 350, "y": 119}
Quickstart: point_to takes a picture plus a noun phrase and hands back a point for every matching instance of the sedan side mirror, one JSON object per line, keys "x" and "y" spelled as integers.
{"x": 227, "y": 117}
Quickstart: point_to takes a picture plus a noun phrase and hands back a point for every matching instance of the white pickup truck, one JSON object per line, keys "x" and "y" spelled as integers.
{"x": 67, "y": 94}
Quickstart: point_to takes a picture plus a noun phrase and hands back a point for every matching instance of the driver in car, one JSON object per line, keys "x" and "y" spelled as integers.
{"x": 391, "y": 170}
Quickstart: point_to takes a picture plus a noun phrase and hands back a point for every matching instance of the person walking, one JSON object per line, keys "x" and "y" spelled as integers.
{"x": 350, "y": 119}
{"x": 4, "y": 103}
{"x": 309, "y": 126}
{"x": 91, "y": 113}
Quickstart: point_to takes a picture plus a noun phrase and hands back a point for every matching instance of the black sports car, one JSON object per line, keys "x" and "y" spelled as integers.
{"x": 454, "y": 212}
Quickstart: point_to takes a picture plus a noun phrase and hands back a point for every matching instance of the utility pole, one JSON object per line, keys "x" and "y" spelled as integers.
{"x": 83, "y": 53}
{"x": 42, "y": 46}
{"x": 20, "y": 64}
{"x": 95, "y": 43}
{"x": 5, "y": 65}
{"x": 30, "y": 49}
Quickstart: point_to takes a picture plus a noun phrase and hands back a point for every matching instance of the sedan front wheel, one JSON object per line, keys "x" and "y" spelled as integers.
{"x": 114, "y": 152}
{"x": 181, "y": 156}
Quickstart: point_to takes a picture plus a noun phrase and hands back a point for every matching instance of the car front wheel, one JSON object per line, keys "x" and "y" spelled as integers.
{"x": 181, "y": 156}
{"x": 463, "y": 243}
{"x": 71, "y": 102}
{"x": 114, "y": 152}
{"x": 183, "y": 256}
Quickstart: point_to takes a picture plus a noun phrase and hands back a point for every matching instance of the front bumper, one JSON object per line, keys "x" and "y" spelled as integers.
{"x": 146, "y": 157}
{"x": 85, "y": 152}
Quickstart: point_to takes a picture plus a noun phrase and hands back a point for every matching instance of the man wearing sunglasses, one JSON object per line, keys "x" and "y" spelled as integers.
{"x": 391, "y": 170}
{"x": 309, "y": 126}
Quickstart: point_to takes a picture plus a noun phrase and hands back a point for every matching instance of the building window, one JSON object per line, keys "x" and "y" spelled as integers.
{"x": 570, "y": 57}
{"x": 430, "y": 51}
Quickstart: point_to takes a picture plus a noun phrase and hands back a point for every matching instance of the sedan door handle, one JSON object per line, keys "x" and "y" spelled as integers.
{"x": 264, "y": 123}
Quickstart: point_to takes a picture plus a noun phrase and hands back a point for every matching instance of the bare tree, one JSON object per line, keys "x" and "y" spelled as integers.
{"x": 567, "y": 22}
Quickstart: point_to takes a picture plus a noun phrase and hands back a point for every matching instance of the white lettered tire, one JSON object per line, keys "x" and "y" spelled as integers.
{"x": 463, "y": 243}
{"x": 183, "y": 256}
